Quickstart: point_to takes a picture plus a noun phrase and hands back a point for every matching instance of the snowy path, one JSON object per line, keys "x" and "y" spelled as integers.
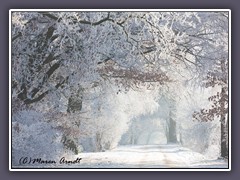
{"x": 148, "y": 156}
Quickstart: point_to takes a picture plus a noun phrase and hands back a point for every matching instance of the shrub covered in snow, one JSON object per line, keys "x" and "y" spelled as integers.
{"x": 33, "y": 137}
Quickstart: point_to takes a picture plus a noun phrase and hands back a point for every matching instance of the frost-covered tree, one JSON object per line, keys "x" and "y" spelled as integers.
{"x": 217, "y": 76}
{"x": 206, "y": 50}
{"x": 197, "y": 135}
{"x": 56, "y": 56}
{"x": 110, "y": 114}
{"x": 51, "y": 51}
{"x": 219, "y": 101}
{"x": 34, "y": 137}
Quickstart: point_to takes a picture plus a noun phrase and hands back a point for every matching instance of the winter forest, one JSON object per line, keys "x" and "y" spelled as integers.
{"x": 119, "y": 89}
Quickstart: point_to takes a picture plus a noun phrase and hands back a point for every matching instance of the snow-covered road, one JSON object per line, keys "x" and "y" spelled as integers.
{"x": 148, "y": 156}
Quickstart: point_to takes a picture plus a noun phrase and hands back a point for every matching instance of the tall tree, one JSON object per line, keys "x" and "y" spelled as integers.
{"x": 219, "y": 108}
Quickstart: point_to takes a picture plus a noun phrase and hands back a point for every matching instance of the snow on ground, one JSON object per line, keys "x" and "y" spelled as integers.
{"x": 141, "y": 156}
{"x": 147, "y": 156}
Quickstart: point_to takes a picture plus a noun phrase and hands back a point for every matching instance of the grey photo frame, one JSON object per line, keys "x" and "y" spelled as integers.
{"x": 186, "y": 4}
{"x": 31, "y": 160}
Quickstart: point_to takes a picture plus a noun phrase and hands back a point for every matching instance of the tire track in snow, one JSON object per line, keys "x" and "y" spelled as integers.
{"x": 150, "y": 159}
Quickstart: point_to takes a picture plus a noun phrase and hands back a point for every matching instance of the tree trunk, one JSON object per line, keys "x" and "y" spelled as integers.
{"x": 148, "y": 138}
{"x": 98, "y": 142}
{"x": 172, "y": 135}
{"x": 171, "y": 123}
{"x": 224, "y": 128}
{"x": 224, "y": 142}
